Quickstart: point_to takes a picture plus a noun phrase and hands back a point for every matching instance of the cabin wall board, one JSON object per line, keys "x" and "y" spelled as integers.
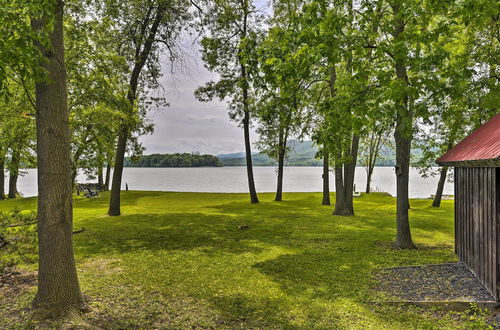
{"x": 477, "y": 223}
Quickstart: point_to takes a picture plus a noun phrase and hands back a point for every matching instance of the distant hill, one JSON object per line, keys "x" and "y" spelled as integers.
{"x": 303, "y": 153}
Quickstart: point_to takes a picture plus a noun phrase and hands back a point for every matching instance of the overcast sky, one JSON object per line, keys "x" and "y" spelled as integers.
{"x": 188, "y": 125}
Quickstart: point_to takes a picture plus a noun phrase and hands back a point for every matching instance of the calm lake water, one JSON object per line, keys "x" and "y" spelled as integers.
{"x": 233, "y": 179}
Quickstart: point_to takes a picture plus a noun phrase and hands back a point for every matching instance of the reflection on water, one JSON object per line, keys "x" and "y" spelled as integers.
{"x": 233, "y": 179}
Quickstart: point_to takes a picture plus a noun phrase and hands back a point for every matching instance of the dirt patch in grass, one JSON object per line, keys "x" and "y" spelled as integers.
{"x": 15, "y": 282}
{"x": 128, "y": 307}
{"x": 103, "y": 266}
{"x": 14, "y": 301}
{"x": 444, "y": 282}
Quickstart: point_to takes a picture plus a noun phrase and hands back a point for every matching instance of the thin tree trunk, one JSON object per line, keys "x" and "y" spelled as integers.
{"x": 351, "y": 172}
{"x": 58, "y": 292}
{"x": 375, "y": 145}
{"x": 108, "y": 176}
{"x": 74, "y": 173}
{"x": 140, "y": 62}
{"x": 14, "y": 173}
{"x": 246, "y": 120}
{"x": 403, "y": 137}
{"x": 114, "y": 203}
{"x": 254, "y": 199}
{"x": 326, "y": 178}
{"x": 100, "y": 178}
{"x": 369, "y": 179}
{"x": 281, "y": 164}
{"x": 2, "y": 176}
{"x": 439, "y": 192}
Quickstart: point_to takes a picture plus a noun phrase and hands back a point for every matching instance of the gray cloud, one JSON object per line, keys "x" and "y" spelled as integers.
{"x": 189, "y": 125}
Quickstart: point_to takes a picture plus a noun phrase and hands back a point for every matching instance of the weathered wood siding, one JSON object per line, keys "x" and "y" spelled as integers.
{"x": 477, "y": 223}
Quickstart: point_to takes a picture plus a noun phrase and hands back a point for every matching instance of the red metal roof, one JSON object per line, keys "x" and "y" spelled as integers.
{"x": 483, "y": 145}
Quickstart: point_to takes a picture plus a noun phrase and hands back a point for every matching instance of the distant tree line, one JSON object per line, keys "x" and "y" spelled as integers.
{"x": 174, "y": 160}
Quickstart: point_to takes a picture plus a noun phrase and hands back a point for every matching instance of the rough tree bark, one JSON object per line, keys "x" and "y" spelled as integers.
{"x": 14, "y": 173}
{"x": 326, "y": 178}
{"x": 143, "y": 54}
{"x": 58, "y": 292}
{"x": 439, "y": 192}
{"x": 403, "y": 137}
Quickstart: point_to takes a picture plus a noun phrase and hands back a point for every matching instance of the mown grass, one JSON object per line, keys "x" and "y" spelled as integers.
{"x": 178, "y": 260}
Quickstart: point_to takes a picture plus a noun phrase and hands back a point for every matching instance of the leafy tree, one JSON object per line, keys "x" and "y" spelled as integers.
{"x": 143, "y": 29}
{"x": 233, "y": 27}
{"x": 370, "y": 146}
{"x": 58, "y": 288}
{"x": 281, "y": 87}
{"x": 408, "y": 44}
{"x": 17, "y": 130}
{"x": 344, "y": 88}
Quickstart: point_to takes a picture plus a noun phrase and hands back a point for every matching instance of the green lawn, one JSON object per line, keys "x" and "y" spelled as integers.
{"x": 178, "y": 260}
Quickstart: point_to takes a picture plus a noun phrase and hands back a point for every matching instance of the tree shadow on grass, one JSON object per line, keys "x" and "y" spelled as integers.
{"x": 251, "y": 313}
{"x": 154, "y": 232}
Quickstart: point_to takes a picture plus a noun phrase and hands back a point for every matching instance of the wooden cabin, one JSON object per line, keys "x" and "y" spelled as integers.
{"x": 477, "y": 202}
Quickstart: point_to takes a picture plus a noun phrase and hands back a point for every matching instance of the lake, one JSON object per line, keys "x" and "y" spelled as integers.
{"x": 233, "y": 180}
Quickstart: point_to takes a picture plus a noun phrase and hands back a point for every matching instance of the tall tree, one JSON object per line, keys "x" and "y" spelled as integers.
{"x": 281, "y": 86}
{"x": 145, "y": 30}
{"x": 343, "y": 91}
{"x": 408, "y": 44}
{"x": 58, "y": 288}
{"x": 97, "y": 80}
{"x": 32, "y": 38}
{"x": 228, "y": 50}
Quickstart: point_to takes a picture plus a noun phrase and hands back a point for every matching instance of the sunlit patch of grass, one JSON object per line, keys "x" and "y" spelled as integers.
{"x": 181, "y": 260}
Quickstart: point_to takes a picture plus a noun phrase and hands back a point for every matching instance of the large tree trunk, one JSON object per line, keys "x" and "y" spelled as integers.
{"x": 403, "y": 136}
{"x": 108, "y": 176}
{"x": 439, "y": 192}
{"x": 114, "y": 203}
{"x": 2, "y": 176}
{"x": 403, "y": 237}
{"x": 14, "y": 173}
{"x": 58, "y": 292}
{"x": 345, "y": 184}
{"x": 281, "y": 164}
{"x": 326, "y": 178}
